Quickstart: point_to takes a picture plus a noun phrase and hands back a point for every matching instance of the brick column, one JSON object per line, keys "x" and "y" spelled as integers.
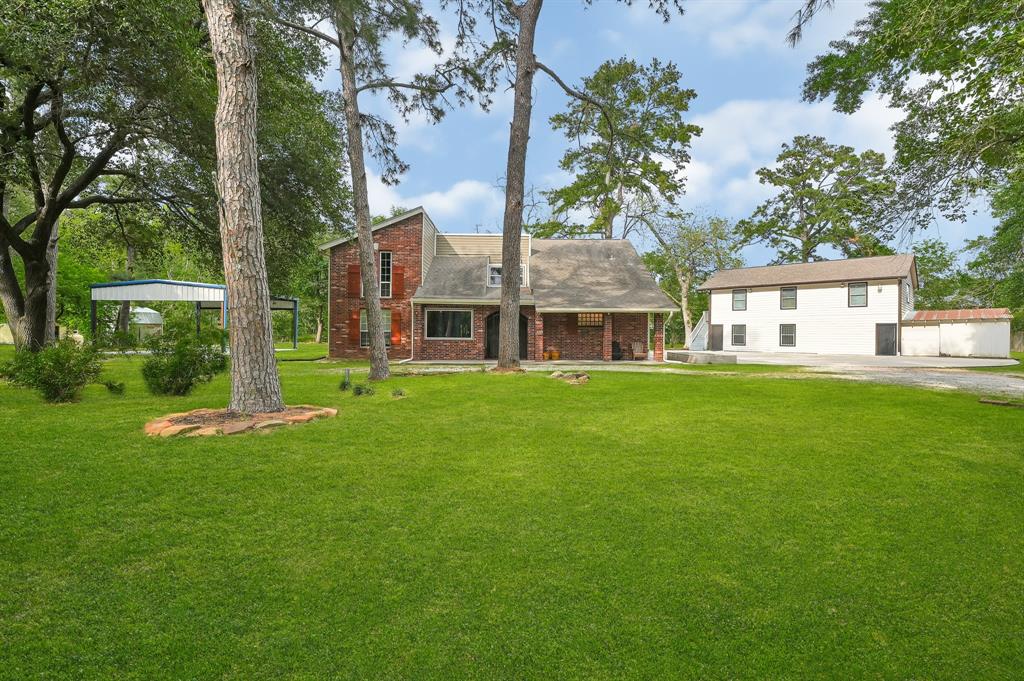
{"x": 606, "y": 343}
{"x": 659, "y": 337}
{"x": 538, "y": 336}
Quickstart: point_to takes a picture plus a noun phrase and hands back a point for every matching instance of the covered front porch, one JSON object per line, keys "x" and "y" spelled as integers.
{"x": 598, "y": 335}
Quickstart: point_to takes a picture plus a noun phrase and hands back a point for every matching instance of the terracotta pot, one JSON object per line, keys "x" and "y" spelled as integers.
{"x": 556, "y": 355}
{"x": 547, "y": 355}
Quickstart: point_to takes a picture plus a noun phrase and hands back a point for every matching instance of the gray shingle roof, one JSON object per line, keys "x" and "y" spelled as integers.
{"x": 593, "y": 274}
{"x": 570, "y": 275}
{"x": 878, "y": 267}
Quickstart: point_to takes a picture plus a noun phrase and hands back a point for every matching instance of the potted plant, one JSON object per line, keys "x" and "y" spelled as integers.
{"x": 555, "y": 354}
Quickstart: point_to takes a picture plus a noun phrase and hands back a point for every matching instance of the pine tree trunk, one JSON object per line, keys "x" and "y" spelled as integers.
{"x": 515, "y": 178}
{"x": 255, "y": 385}
{"x": 343, "y": 24}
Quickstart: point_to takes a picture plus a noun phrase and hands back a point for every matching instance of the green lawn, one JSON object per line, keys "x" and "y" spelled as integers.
{"x": 513, "y": 526}
{"x": 1013, "y": 368}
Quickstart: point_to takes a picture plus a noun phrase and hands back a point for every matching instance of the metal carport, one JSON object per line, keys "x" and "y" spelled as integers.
{"x": 204, "y": 296}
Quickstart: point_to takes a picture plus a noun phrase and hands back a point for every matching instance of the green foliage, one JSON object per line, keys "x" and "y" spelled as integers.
{"x": 180, "y": 361}
{"x": 114, "y": 387}
{"x": 629, "y": 151}
{"x": 827, "y": 195}
{"x": 955, "y": 68}
{"x": 397, "y": 393}
{"x": 943, "y": 284}
{"x": 690, "y": 248}
{"x": 362, "y": 389}
{"x": 58, "y": 371}
{"x": 346, "y": 383}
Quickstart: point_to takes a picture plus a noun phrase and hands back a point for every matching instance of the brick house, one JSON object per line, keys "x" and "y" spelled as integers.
{"x": 588, "y": 299}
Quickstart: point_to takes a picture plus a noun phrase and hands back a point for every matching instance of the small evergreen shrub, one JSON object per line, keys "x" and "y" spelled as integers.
{"x": 346, "y": 381}
{"x": 114, "y": 387}
{"x": 58, "y": 371}
{"x": 397, "y": 392}
{"x": 179, "y": 362}
{"x": 360, "y": 389}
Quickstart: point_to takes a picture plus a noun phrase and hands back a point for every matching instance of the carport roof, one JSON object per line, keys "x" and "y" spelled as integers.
{"x": 977, "y": 314}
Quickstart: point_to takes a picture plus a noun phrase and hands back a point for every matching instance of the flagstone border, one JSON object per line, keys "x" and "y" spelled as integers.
{"x": 184, "y": 423}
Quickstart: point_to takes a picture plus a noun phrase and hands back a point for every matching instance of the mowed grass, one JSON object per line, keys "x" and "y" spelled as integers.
{"x": 1017, "y": 368}
{"x": 513, "y": 526}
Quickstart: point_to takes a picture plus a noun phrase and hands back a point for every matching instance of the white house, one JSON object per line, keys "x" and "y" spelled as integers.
{"x": 862, "y": 306}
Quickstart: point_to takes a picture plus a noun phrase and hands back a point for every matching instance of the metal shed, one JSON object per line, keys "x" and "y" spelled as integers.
{"x": 204, "y": 296}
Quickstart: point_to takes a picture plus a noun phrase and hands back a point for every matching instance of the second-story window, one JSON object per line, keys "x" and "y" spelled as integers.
{"x": 787, "y": 299}
{"x": 494, "y": 275}
{"x": 857, "y": 293}
{"x": 739, "y": 299}
{"x": 385, "y": 274}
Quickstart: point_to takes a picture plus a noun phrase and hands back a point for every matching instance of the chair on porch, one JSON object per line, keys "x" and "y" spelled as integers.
{"x": 638, "y": 351}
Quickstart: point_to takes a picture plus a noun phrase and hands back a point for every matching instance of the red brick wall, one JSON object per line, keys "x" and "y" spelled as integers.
{"x": 593, "y": 342}
{"x": 403, "y": 239}
{"x": 467, "y": 350}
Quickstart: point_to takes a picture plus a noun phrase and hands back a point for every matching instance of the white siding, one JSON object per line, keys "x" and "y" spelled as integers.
{"x": 920, "y": 341}
{"x": 825, "y": 323}
{"x": 907, "y": 301}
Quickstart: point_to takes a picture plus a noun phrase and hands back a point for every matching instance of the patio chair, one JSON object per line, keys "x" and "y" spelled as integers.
{"x": 638, "y": 351}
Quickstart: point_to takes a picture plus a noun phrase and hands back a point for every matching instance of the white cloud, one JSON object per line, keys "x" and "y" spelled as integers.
{"x": 734, "y": 27}
{"x": 743, "y": 135}
{"x": 463, "y": 206}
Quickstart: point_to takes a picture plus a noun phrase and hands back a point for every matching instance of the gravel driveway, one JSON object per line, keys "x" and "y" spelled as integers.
{"x": 1010, "y": 385}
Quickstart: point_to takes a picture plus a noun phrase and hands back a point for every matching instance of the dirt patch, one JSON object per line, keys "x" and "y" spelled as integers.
{"x": 205, "y": 422}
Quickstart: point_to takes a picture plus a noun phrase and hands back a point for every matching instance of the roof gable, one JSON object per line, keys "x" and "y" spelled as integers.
{"x": 821, "y": 272}
{"x": 380, "y": 225}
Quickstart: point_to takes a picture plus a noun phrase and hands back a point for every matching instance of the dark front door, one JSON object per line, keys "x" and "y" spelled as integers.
{"x": 492, "y": 323}
{"x": 716, "y": 337}
{"x": 885, "y": 339}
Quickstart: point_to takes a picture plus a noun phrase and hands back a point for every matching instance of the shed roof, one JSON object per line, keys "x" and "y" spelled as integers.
{"x": 977, "y": 314}
{"x": 877, "y": 267}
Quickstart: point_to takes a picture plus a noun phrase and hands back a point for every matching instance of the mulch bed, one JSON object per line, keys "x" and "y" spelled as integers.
{"x": 205, "y": 422}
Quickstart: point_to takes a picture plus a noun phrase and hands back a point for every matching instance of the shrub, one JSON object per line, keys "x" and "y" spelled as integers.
{"x": 360, "y": 389}
{"x": 346, "y": 381}
{"x": 114, "y": 387}
{"x": 179, "y": 362}
{"x": 397, "y": 392}
{"x": 58, "y": 371}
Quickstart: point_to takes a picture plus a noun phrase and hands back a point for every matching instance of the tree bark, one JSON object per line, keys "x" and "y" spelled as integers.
{"x": 319, "y": 327}
{"x": 125, "y": 312}
{"x": 345, "y": 28}
{"x": 50, "y": 333}
{"x": 515, "y": 179}
{"x": 255, "y": 385}
{"x": 684, "y": 303}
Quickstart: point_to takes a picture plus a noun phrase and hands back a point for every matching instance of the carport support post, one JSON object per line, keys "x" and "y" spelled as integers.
{"x": 92, "y": 320}
{"x": 199, "y": 317}
{"x": 295, "y": 324}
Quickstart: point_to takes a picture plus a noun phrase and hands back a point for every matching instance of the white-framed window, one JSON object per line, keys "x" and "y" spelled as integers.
{"x": 787, "y": 298}
{"x": 590, "y": 319}
{"x": 739, "y": 299}
{"x": 449, "y": 325}
{"x": 857, "y": 293}
{"x": 385, "y": 274}
{"x": 739, "y": 334}
{"x": 787, "y": 335}
{"x": 364, "y": 331}
{"x": 494, "y": 275}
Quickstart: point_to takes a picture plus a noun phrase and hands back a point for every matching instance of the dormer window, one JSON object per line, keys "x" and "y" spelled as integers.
{"x": 494, "y": 275}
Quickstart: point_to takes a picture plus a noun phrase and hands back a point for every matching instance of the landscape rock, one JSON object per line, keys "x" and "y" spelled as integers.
{"x": 236, "y": 427}
{"x": 171, "y": 431}
{"x": 272, "y": 423}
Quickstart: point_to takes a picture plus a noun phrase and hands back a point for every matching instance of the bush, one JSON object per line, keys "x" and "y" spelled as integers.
{"x": 114, "y": 387}
{"x": 58, "y": 372}
{"x": 179, "y": 362}
{"x": 360, "y": 389}
{"x": 397, "y": 392}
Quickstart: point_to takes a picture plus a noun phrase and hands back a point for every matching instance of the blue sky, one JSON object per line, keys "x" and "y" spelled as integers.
{"x": 732, "y": 52}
